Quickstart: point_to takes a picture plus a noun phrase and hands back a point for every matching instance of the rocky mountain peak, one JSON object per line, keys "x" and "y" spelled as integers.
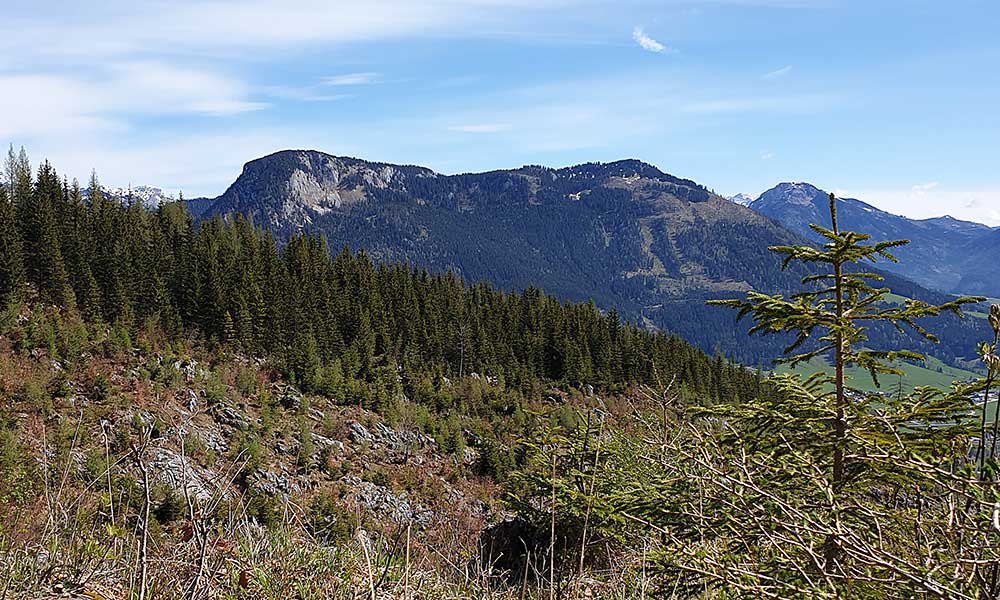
{"x": 291, "y": 187}
{"x": 938, "y": 249}
{"x": 795, "y": 193}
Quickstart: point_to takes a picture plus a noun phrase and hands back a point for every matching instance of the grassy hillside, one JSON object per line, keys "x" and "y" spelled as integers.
{"x": 932, "y": 373}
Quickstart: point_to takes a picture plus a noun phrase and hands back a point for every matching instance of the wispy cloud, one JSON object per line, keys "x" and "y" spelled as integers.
{"x": 481, "y": 128}
{"x": 781, "y": 104}
{"x": 119, "y": 28}
{"x": 302, "y": 94}
{"x": 352, "y": 79}
{"x": 647, "y": 43}
{"x": 777, "y": 73}
{"x": 724, "y": 106}
{"x": 922, "y": 188}
{"x": 168, "y": 88}
{"x": 49, "y": 104}
{"x": 766, "y": 155}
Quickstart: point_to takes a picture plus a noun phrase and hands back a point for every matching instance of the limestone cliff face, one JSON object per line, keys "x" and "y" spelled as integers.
{"x": 287, "y": 190}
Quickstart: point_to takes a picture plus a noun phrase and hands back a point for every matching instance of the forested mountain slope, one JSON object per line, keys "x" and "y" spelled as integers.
{"x": 623, "y": 234}
{"x": 979, "y": 266}
{"x": 648, "y": 234}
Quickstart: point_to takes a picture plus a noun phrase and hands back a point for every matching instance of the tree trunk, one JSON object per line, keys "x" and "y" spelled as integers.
{"x": 832, "y": 550}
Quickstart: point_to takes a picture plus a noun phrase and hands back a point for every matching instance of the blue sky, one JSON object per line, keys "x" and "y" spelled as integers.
{"x": 894, "y": 102}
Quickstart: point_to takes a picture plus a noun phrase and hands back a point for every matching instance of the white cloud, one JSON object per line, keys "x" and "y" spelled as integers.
{"x": 123, "y": 27}
{"x": 777, "y": 73}
{"x": 60, "y": 104}
{"x": 646, "y": 42}
{"x": 157, "y": 87}
{"x": 49, "y": 105}
{"x": 922, "y": 188}
{"x": 930, "y": 200}
{"x": 352, "y": 79}
{"x": 766, "y": 155}
{"x": 95, "y": 69}
{"x": 223, "y": 106}
{"x": 481, "y": 128}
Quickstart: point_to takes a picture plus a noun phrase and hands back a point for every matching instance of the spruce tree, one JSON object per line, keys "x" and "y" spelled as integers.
{"x": 89, "y": 295}
{"x": 43, "y": 240}
{"x": 11, "y": 256}
{"x": 228, "y": 329}
{"x": 18, "y": 174}
{"x": 76, "y": 247}
{"x": 807, "y": 492}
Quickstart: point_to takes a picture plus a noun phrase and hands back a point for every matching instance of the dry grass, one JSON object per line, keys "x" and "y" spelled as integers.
{"x": 76, "y": 529}
{"x": 244, "y": 561}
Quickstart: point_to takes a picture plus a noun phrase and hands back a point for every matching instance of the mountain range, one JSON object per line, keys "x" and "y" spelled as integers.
{"x": 147, "y": 195}
{"x": 944, "y": 253}
{"x": 623, "y": 234}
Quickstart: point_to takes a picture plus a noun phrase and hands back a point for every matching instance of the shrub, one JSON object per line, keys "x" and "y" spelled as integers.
{"x": 168, "y": 504}
{"x": 247, "y": 381}
{"x": 329, "y": 521}
{"x": 18, "y": 477}
{"x": 266, "y": 510}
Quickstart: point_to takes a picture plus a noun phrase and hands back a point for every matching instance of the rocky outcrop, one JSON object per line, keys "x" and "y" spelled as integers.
{"x": 388, "y": 475}
{"x": 273, "y": 484}
{"x": 170, "y": 469}
{"x": 397, "y": 447}
{"x": 396, "y": 507}
{"x": 231, "y": 415}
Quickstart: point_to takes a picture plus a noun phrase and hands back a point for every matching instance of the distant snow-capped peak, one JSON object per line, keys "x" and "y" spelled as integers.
{"x": 146, "y": 195}
{"x": 742, "y": 199}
